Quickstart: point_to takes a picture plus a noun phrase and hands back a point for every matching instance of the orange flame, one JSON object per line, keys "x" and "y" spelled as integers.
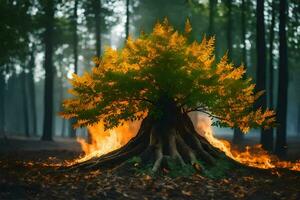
{"x": 102, "y": 142}
{"x": 254, "y": 156}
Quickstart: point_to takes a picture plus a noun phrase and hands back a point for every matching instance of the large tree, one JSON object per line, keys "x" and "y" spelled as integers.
{"x": 160, "y": 78}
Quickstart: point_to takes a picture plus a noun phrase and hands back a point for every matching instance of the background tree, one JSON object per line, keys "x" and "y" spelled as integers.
{"x": 49, "y": 69}
{"x": 266, "y": 139}
{"x": 281, "y": 145}
{"x": 141, "y": 77}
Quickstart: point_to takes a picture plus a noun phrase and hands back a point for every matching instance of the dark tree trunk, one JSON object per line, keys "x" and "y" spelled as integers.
{"x": 266, "y": 139}
{"x": 171, "y": 137}
{"x": 229, "y": 28}
{"x": 25, "y": 104}
{"x": 271, "y": 67}
{"x": 244, "y": 25}
{"x": 2, "y": 101}
{"x": 75, "y": 55}
{"x": 212, "y": 11}
{"x": 127, "y": 19}
{"x": 97, "y": 15}
{"x": 31, "y": 93}
{"x": 298, "y": 120}
{"x": 281, "y": 145}
{"x": 48, "y": 98}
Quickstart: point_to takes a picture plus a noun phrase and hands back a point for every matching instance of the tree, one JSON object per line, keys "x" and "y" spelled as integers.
{"x": 31, "y": 91}
{"x": 127, "y": 20}
{"x": 211, "y": 23}
{"x": 138, "y": 83}
{"x": 48, "y": 64}
{"x": 2, "y": 100}
{"x": 266, "y": 139}
{"x": 75, "y": 55}
{"x": 271, "y": 70}
{"x": 25, "y": 103}
{"x": 97, "y": 16}
{"x": 238, "y": 135}
{"x": 281, "y": 146}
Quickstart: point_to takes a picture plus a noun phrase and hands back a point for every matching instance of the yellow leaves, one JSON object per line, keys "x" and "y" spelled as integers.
{"x": 187, "y": 27}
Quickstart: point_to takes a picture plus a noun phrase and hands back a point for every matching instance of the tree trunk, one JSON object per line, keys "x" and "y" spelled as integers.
{"x": 211, "y": 23}
{"x": 97, "y": 15}
{"x": 2, "y": 102}
{"x": 170, "y": 138}
{"x": 244, "y": 24}
{"x": 72, "y": 131}
{"x": 127, "y": 19}
{"x": 229, "y": 28}
{"x": 271, "y": 67}
{"x": 298, "y": 121}
{"x": 31, "y": 92}
{"x": 266, "y": 139}
{"x": 25, "y": 104}
{"x": 48, "y": 97}
{"x": 281, "y": 145}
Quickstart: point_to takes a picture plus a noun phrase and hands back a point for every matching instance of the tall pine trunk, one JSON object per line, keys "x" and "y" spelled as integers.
{"x": 243, "y": 26}
{"x": 211, "y": 23}
{"x": 75, "y": 55}
{"x": 127, "y": 19}
{"x": 270, "y": 68}
{"x": 48, "y": 97}
{"x": 265, "y": 139}
{"x": 25, "y": 104}
{"x": 97, "y": 16}
{"x": 281, "y": 145}
{"x": 31, "y": 93}
{"x": 238, "y": 135}
{"x": 2, "y": 101}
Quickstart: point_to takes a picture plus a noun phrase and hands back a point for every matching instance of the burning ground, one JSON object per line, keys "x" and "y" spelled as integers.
{"x": 32, "y": 171}
{"x": 32, "y": 174}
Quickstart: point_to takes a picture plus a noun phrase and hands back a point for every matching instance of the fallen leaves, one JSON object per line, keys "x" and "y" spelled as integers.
{"x": 31, "y": 179}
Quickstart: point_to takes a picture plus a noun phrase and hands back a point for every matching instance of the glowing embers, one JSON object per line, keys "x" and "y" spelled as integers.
{"x": 102, "y": 142}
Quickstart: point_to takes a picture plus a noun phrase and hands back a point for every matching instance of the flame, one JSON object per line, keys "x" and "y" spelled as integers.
{"x": 254, "y": 156}
{"x": 102, "y": 142}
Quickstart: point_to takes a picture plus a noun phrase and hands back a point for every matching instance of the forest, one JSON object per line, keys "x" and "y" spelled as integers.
{"x": 149, "y": 99}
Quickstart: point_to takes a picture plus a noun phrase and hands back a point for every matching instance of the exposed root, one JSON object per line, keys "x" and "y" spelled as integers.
{"x": 155, "y": 144}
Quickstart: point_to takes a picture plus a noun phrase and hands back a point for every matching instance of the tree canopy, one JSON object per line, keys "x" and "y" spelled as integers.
{"x": 130, "y": 83}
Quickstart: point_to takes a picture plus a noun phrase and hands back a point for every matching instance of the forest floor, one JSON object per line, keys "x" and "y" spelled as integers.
{"x": 28, "y": 171}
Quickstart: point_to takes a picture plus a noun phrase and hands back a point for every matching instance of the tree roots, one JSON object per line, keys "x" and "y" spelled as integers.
{"x": 155, "y": 143}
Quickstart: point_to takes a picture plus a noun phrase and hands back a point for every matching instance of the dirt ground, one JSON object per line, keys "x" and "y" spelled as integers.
{"x": 28, "y": 171}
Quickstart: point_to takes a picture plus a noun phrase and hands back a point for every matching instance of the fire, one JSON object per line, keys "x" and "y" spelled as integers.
{"x": 102, "y": 142}
{"x": 254, "y": 156}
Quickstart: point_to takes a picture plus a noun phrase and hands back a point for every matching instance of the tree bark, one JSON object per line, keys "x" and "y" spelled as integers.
{"x": 72, "y": 131}
{"x": 271, "y": 68}
{"x": 48, "y": 97}
{"x": 244, "y": 26}
{"x": 281, "y": 145}
{"x": 97, "y": 16}
{"x": 31, "y": 92}
{"x": 127, "y": 19}
{"x": 156, "y": 143}
{"x": 229, "y": 28}
{"x": 266, "y": 139}
{"x": 25, "y": 104}
{"x": 2, "y": 101}
{"x": 211, "y": 23}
